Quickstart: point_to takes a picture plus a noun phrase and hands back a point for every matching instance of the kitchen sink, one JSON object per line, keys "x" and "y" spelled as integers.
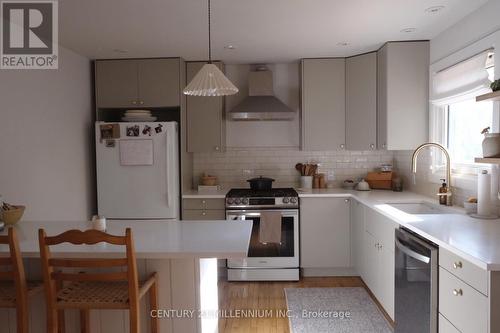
{"x": 419, "y": 208}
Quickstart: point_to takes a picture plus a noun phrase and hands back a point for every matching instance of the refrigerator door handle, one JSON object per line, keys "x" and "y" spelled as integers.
{"x": 167, "y": 160}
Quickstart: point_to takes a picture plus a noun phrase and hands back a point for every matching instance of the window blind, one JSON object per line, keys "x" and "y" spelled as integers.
{"x": 462, "y": 81}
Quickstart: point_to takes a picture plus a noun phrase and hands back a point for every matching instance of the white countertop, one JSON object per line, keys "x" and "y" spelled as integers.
{"x": 473, "y": 239}
{"x": 153, "y": 239}
{"x": 194, "y": 194}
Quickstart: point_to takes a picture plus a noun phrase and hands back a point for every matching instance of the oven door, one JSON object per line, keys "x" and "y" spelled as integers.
{"x": 269, "y": 255}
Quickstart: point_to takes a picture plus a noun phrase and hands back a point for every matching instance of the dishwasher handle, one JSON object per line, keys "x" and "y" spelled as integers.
{"x": 409, "y": 252}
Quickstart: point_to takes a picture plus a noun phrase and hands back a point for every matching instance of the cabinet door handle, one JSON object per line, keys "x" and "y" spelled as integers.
{"x": 372, "y": 146}
{"x": 203, "y": 213}
{"x": 346, "y": 200}
{"x": 384, "y": 145}
{"x": 217, "y": 148}
{"x": 342, "y": 146}
{"x": 141, "y": 102}
{"x": 457, "y": 264}
{"x": 458, "y": 292}
{"x": 134, "y": 102}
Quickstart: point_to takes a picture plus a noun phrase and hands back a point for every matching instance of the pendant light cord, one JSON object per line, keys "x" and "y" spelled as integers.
{"x": 209, "y": 36}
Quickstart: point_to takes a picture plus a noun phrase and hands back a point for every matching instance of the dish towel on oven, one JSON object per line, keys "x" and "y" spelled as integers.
{"x": 270, "y": 227}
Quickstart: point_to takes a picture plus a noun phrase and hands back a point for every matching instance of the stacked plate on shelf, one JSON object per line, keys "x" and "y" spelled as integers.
{"x": 138, "y": 116}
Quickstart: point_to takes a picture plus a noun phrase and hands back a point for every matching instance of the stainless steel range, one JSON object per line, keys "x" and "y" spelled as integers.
{"x": 278, "y": 209}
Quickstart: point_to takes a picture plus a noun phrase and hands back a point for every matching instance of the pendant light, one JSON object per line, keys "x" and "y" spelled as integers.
{"x": 210, "y": 81}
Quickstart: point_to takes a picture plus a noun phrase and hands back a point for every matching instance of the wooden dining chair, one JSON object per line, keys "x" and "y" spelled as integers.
{"x": 15, "y": 291}
{"x": 116, "y": 289}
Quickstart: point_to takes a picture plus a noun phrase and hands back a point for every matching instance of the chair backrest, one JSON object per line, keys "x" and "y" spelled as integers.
{"x": 13, "y": 268}
{"x": 50, "y": 266}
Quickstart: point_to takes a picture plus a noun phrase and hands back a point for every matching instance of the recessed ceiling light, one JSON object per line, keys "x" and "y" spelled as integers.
{"x": 343, "y": 44}
{"x": 230, "y": 47}
{"x": 409, "y": 30}
{"x": 434, "y": 9}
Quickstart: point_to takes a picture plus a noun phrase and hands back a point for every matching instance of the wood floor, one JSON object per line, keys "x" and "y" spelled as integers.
{"x": 266, "y": 296}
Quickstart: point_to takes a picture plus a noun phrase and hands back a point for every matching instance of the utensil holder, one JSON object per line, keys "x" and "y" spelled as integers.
{"x": 306, "y": 181}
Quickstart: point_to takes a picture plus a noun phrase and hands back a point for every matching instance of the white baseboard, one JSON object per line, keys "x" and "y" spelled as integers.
{"x": 328, "y": 271}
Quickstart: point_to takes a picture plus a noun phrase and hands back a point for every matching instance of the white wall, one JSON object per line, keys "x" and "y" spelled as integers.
{"x": 472, "y": 35}
{"x": 472, "y": 28}
{"x": 46, "y": 160}
{"x": 245, "y": 134}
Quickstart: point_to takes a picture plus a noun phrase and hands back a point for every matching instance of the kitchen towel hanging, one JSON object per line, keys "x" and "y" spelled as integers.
{"x": 270, "y": 227}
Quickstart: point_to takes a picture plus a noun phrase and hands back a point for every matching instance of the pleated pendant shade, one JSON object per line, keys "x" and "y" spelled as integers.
{"x": 210, "y": 81}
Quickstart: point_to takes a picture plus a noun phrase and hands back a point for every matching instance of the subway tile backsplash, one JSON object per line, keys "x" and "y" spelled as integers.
{"x": 234, "y": 167}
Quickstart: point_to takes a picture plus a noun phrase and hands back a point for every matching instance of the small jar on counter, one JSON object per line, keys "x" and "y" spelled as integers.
{"x": 397, "y": 184}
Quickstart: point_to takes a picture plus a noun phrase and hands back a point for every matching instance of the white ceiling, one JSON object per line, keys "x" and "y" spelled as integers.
{"x": 263, "y": 31}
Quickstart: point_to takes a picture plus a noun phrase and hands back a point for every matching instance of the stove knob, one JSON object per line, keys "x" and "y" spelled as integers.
{"x": 237, "y": 201}
{"x": 286, "y": 200}
{"x": 293, "y": 200}
{"x": 230, "y": 201}
{"x": 245, "y": 201}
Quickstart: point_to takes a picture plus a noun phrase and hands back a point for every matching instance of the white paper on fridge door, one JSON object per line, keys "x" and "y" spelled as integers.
{"x": 136, "y": 152}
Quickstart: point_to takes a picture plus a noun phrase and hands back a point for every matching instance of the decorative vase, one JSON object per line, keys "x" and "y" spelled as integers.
{"x": 491, "y": 145}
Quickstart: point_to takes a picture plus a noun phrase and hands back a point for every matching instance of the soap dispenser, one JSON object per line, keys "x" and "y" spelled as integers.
{"x": 443, "y": 190}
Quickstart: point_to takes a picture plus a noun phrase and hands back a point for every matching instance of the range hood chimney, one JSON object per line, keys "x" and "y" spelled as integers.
{"x": 261, "y": 104}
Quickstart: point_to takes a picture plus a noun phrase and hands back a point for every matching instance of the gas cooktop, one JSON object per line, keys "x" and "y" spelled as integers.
{"x": 245, "y": 198}
{"x": 272, "y": 193}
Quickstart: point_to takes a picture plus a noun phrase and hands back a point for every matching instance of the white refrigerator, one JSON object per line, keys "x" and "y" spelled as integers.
{"x": 137, "y": 170}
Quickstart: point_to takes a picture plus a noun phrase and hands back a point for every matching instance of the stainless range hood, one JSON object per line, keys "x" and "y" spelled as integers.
{"x": 261, "y": 104}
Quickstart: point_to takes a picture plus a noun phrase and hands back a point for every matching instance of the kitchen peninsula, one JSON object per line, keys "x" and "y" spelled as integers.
{"x": 183, "y": 253}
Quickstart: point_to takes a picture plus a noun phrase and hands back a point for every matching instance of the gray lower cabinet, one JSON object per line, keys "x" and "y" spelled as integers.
{"x": 324, "y": 235}
{"x": 205, "y": 117}
{"x": 403, "y": 95}
{"x": 361, "y": 102}
{"x": 131, "y": 83}
{"x": 323, "y": 104}
{"x": 372, "y": 235}
{"x": 357, "y": 236}
{"x": 203, "y": 209}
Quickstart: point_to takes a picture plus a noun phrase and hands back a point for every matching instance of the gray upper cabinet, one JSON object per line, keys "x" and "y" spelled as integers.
{"x": 159, "y": 82}
{"x": 323, "y": 104}
{"x": 205, "y": 118}
{"x": 137, "y": 83}
{"x": 116, "y": 83}
{"x": 361, "y": 102}
{"x": 403, "y": 95}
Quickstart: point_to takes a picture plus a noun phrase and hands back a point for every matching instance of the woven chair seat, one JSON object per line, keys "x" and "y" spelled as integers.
{"x": 8, "y": 292}
{"x": 94, "y": 294}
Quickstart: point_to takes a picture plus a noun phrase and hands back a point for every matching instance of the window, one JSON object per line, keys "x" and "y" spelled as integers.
{"x": 456, "y": 119}
{"x": 466, "y": 119}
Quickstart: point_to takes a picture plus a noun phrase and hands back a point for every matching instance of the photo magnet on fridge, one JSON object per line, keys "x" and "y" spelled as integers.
{"x": 109, "y": 131}
{"x": 110, "y": 143}
{"x": 146, "y": 130}
{"x": 133, "y": 130}
{"x": 158, "y": 129}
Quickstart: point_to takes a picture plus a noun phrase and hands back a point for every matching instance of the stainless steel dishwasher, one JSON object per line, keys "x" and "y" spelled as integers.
{"x": 416, "y": 282}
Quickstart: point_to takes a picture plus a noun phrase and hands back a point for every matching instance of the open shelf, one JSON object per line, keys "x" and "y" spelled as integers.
{"x": 487, "y": 160}
{"x": 492, "y": 96}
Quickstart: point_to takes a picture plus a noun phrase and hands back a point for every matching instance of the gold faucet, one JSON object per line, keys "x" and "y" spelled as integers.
{"x": 448, "y": 194}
